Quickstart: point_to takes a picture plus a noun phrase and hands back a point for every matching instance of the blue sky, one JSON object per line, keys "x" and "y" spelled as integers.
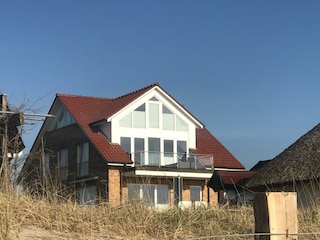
{"x": 249, "y": 70}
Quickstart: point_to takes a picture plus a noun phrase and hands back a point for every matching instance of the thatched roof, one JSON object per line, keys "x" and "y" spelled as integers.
{"x": 300, "y": 161}
{"x": 259, "y": 165}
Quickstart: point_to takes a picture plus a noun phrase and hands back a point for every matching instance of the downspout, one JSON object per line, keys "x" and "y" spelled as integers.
{"x": 208, "y": 193}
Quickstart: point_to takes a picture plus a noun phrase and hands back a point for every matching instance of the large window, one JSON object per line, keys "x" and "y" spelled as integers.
{"x": 158, "y": 116}
{"x": 83, "y": 159}
{"x": 139, "y": 117}
{"x": 167, "y": 119}
{"x": 139, "y": 151}
{"x": 125, "y": 143}
{"x": 63, "y": 163}
{"x": 168, "y": 152}
{"x": 195, "y": 193}
{"x": 180, "y": 125}
{"x": 153, "y": 115}
{"x": 87, "y": 195}
{"x": 154, "y": 151}
{"x": 126, "y": 121}
{"x": 153, "y": 194}
{"x": 182, "y": 150}
{"x": 65, "y": 119}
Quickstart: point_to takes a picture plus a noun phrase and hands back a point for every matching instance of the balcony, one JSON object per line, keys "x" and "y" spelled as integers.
{"x": 173, "y": 160}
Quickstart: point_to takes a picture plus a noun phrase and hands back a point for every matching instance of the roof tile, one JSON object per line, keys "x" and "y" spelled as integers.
{"x": 82, "y": 109}
{"x": 206, "y": 143}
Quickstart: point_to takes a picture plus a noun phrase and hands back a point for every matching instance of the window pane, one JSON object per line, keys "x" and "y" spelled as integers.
{"x": 83, "y": 159}
{"x": 153, "y": 115}
{"x": 195, "y": 193}
{"x": 162, "y": 194}
{"x": 166, "y": 110}
{"x": 63, "y": 163}
{"x": 182, "y": 150}
{"x": 125, "y": 143}
{"x": 181, "y": 126}
{"x": 168, "y": 152}
{"x": 142, "y": 108}
{"x": 133, "y": 191}
{"x": 154, "y": 151}
{"x": 148, "y": 193}
{"x": 168, "y": 146}
{"x": 65, "y": 119}
{"x": 167, "y": 118}
{"x": 87, "y": 195}
{"x": 168, "y": 121}
{"x": 139, "y": 151}
{"x": 139, "y": 119}
{"x": 126, "y": 121}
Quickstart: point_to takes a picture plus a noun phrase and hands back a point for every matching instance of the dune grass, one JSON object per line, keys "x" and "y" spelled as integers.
{"x": 133, "y": 220}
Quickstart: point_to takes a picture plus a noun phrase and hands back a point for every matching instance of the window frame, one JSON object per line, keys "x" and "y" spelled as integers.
{"x": 142, "y": 192}
{"x": 63, "y": 163}
{"x": 83, "y": 159}
{"x": 192, "y": 192}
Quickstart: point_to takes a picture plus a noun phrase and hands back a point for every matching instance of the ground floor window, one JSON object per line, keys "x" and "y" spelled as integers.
{"x": 154, "y": 194}
{"x": 195, "y": 193}
{"x": 87, "y": 195}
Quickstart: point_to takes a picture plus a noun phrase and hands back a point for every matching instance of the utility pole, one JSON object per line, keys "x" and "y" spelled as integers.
{"x": 4, "y": 168}
{"x": 12, "y": 120}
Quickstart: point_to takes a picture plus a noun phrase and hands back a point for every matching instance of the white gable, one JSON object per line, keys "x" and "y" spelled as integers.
{"x": 163, "y": 98}
{"x": 154, "y": 129}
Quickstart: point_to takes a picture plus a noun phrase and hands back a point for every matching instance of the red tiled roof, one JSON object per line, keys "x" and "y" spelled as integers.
{"x": 82, "y": 109}
{"x": 206, "y": 143}
{"x": 116, "y": 104}
{"x": 87, "y": 110}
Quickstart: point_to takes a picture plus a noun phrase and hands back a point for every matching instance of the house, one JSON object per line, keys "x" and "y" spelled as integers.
{"x": 297, "y": 169}
{"x": 142, "y": 145}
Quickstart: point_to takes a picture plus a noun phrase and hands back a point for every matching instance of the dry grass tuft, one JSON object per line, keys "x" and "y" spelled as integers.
{"x": 130, "y": 221}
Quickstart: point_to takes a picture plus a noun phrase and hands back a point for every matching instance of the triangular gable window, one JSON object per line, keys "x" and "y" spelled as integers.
{"x": 65, "y": 118}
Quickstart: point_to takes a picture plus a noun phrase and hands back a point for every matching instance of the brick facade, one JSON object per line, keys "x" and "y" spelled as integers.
{"x": 114, "y": 186}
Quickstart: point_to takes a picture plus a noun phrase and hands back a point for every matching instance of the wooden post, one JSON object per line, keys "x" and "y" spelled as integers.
{"x": 276, "y": 213}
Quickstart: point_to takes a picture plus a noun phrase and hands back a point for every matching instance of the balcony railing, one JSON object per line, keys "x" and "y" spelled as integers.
{"x": 172, "y": 160}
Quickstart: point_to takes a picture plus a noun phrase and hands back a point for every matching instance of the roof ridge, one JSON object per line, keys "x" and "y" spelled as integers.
{"x": 136, "y": 91}
{"x": 83, "y": 96}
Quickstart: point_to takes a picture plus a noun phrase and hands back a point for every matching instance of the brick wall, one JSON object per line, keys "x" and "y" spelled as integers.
{"x": 114, "y": 186}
